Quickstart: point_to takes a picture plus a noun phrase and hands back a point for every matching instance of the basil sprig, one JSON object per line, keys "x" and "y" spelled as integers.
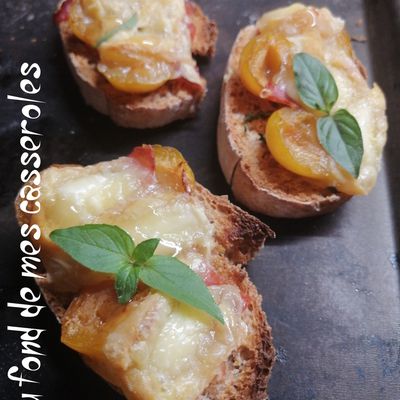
{"x": 109, "y": 249}
{"x": 339, "y": 133}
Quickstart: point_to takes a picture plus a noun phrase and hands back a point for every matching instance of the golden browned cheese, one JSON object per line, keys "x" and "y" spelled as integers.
{"x": 154, "y": 348}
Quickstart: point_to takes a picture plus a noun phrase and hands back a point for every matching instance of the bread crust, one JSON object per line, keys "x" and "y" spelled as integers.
{"x": 256, "y": 179}
{"x": 245, "y": 375}
{"x": 205, "y": 31}
{"x": 172, "y": 101}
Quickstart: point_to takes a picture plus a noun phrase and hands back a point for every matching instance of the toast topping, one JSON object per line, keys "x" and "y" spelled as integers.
{"x": 144, "y": 202}
{"x": 291, "y": 136}
{"x": 266, "y": 69}
{"x": 142, "y": 44}
{"x": 154, "y": 347}
{"x": 109, "y": 249}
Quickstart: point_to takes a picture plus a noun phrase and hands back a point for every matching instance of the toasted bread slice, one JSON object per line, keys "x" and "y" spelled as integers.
{"x": 237, "y": 237}
{"x": 175, "y": 100}
{"x": 256, "y": 179}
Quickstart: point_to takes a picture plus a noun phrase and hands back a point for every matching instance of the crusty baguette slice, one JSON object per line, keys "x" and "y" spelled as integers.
{"x": 238, "y": 236}
{"x": 172, "y": 101}
{"x": 256, "y": 179}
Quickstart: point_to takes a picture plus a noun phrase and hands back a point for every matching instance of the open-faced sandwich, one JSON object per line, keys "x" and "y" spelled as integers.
{"x": 300, "y": 130}
{"x": 173, "y": 317}
{"x": 133, "y": 60}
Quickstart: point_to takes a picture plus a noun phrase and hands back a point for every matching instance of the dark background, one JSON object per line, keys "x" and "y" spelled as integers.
{"x": 330, "y": 284}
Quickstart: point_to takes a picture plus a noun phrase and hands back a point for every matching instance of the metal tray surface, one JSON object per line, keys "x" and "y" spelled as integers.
{"x": 330, "y": 284}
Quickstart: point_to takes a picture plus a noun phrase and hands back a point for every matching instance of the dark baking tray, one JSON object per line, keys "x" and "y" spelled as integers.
{"x": 330, "y": 284}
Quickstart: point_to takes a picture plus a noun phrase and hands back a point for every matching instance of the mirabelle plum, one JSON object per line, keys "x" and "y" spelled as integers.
{"x": 172, "y": 168}
{"x": 169, "y": 165}
{"x": 134, "y": 68}
{"x": 84, "y": 324}
{"x": 291, "y": 136}
{"x": 264, "y": 60}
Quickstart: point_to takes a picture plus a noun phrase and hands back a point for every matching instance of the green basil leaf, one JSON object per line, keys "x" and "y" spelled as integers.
{"x": 102, "y": 248}
{"x": 129, "y": 24}
{"x": 315, "y": 84}
{"x": 341, "y": 137}
{"x": 144, "y": 250}
{"x": 126, "y": 281}
{"x": 172, "y": 277}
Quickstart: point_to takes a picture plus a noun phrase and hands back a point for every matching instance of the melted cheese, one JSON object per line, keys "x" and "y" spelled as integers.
{"x": 161, "y": 32}
{"x": 123, "y": 193}
{"x": 169, "y": 351}
{"x": 153, "y": 348}
{"x": 317, "y": 32}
